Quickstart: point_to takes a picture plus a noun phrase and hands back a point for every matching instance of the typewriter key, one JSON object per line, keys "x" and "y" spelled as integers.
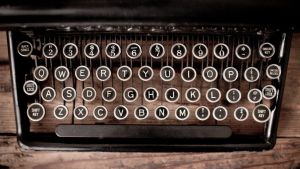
{"x": 124, "y": 73}
{"x": 89, "y": 94}
{"x": 188, "y": 74}
{"x": 182, "y": 113}
{"x": 30, "y": 87}
{"x": 192, "y": 95}
{"x": 100, "y": 112}
{"x": 213, "y": 95}
{"x": 251, "y": 74}
{"x": 50, "y": 50}
{"x": 167, "y": 73}
{"x": 91, "y": 50}
{"x": 221, "y": 51}
{"x": 202, "y": 113}
{"x": 133, "y": 50}
{"x": 80, "y": 112}
{"x": 233, "y": 95}
{"x": 161, "y": 112}
{"x": 254, "y": 96}
{"x": 41, "y": 73}
{"x": 151, "y": 94}
{"x": 230, "y": 74}
{"x": 200, "y": 51}
{"x": 60, "y": 112}
{"x": 61, "y": 73}
{"x": 178, "y": 51}
{"x": 130, "y": 94}
{"x": 48, "y": 94}
{"x": 120, "y": 112}
{"x": 103, "y": 73}
{"x": 157, "y": 50}
{"x": 68, "y": 94}
{"x": 141, "y": 112}
{"x": 273, "y": 71}
{"x": 70, "y": 50}
{"x": 241, "y": 114}
{"x": 220, "y": 113}
{"x": 172, "y": 95}
{"x": 266, "y": 50}
{"x": 35, "y": 112}
{"x": 82, "y": 73}
{"x": 261, "y": 113}
{"x": 25, "y": 48}
{"x": 210, "y": 74}
{"x": 269, "y": 92}
{"x": 243, "y": 51}
{"x": 113, "y": 50}
{"x": 109, "y": 94}
{"x": 145, "y": 73}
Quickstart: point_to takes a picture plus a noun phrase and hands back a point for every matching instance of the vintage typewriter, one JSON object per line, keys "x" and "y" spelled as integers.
{"x": 148, "y": 75}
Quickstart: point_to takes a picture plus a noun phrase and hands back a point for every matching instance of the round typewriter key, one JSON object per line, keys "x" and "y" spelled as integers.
{"x": 141, "y": 112}
{"x": 130, "y": 94}
{"x": 48, "y": 94}
{"x": 167, "y": 73}
{"x": 70, "y": 50}
{"x": 68, "y": 94}
{"x": 61, "y": 73}
{"x": 188, "y": 74}
{"x": 261, "y": 113}
{"x": 25, "y": 48}
{"x": 60, "y": 112}
{"x": 161, "y": 112}
{"x": 35, "y": 112}
{"x": 100, "y": 112}
{"x": 50, "y": 50}
{"x": 213, "y": 95}
{"x": 157, "y": 50}
{"x": 145, "y": 73}
{"x": 210, "y": 74}
{"x": 82, "y": 73}
{"x": 200, "y": 51}
{"x": 178, "y": 51}
{"x": 91, "y": 50}
{"x": 233, "y": 95}
{"x": 230, "y": 74}
{"x": 192, "y": 95}
{"x": 220, "y": 113}
{"x": 251, "y": 74}
{"x": 89, "y": 94}
{"x": 109, "y": 94}
{"x": 182, "y": 113}
{"x": 221, "y": 51}
{"x": 103, "y": 73}
{"x": 124, "y": 73}
{"x": 151, "y": 94}
{"x": 30, "y": 87}
{"x": 41, "y": 73}
{"x": 243, "y": 51}
{"x": 254, "y": 96}
{"x": 266, "y": 50}
{"x": 273, "y": 71}
{"x": 113, "y": 50}
{"x": 172, "y": 95}
{"x": 202, "y": 113}
{"x": 121, "y": 112}
{"x": 269, "y": 92}
{"x": 80, "y": 112}
{"x": 133, "y": 50}
{"x": 241, "y": 114}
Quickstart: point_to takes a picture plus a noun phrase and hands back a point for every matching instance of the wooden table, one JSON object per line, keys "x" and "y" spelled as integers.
{"x": 286, "y": 153}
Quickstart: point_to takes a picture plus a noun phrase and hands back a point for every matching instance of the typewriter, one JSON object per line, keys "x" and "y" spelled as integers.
{"x": 147, "y": 75}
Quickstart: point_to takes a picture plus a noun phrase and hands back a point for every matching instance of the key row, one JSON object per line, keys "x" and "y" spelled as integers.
{"x": 261, "y": 113}
{"x": 151, "y": 94}
{"x": 167, "y": 73}
{"x": 156, "y": 50}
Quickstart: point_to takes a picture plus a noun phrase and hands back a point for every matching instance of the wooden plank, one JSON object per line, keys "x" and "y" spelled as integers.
{"x": 286, "y": 154}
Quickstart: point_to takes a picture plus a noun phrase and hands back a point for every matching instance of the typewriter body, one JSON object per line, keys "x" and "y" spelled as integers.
{"x": 147, "y": 76}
